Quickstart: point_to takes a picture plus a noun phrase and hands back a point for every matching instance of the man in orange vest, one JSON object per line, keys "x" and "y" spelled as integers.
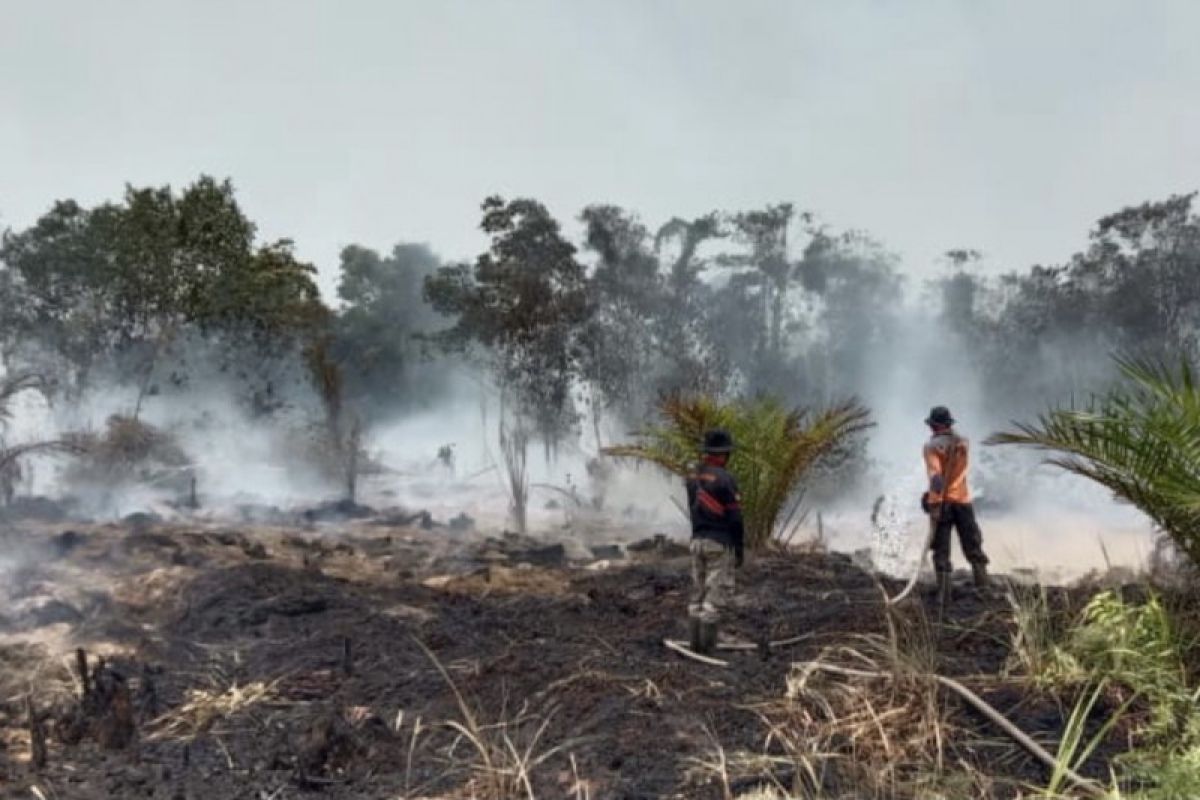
{"x": 948, "y": 501}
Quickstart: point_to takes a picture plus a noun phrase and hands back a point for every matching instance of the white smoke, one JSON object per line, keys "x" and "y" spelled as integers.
{"x": 1033, "y": 516}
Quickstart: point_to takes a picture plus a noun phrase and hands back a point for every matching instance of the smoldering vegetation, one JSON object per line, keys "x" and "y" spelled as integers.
{"x": 185, "y": 364}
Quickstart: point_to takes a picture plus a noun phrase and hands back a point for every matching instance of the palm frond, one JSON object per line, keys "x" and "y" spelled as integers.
{"x": 776, "y": 448}
{"x": 8, "y": 455}
{"x": 1141, "y": 441}
{"x": 12, "y": 385}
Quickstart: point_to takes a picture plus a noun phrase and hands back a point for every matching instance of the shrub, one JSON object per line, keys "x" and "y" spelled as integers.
{"x": 128, "y": 451}
{"x": 776, "y": 447}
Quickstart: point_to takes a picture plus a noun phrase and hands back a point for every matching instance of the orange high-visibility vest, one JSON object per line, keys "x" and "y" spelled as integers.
{"x": 948, "y": 455}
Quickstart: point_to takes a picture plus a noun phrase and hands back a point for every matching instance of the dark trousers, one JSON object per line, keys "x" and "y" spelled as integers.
{"x": 960, "y": 516}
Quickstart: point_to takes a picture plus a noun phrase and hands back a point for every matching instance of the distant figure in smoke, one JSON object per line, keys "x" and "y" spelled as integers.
{"x": 948, "y": 501}
{"x": 600, "y": 472}
{"x": 718, "y": 539}
{"x": 446, "y": 456}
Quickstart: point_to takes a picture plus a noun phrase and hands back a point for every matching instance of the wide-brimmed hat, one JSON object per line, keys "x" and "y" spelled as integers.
{"x": 939, "y": 415}
{"x": 718, "y": 441}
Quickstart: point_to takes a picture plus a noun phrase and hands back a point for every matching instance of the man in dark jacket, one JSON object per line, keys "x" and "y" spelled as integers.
{"x": 948, "y": 501}
{"x": 718, "y": 539}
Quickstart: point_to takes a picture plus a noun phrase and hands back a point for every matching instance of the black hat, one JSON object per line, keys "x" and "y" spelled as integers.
{"x": 718, "y": 441}
{"x": 939, "y": 415}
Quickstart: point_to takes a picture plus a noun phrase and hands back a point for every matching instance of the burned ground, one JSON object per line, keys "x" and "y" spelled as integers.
{"x": 289, "y": 663}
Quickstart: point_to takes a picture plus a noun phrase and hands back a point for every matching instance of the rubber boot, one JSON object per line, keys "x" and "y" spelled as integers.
{"x": 696, "y": 641}
{"x": 982, "y": 581}
{"x": 943, "y": 588}
{"x": 708, "y": 637}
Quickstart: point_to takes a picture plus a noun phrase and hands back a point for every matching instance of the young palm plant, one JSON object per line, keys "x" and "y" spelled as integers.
{"x": 776, "y": 447}
{"x": 1141, "y": 440}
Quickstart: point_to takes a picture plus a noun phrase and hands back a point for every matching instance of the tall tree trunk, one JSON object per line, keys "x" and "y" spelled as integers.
{"x": 353, "y": 443}
{"x": 777, "y": 318}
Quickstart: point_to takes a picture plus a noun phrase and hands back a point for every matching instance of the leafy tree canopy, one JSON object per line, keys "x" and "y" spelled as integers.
{"x": 90, "y": 286}
{"x": 525, "y": 299}
{"x": 380, "y": 329}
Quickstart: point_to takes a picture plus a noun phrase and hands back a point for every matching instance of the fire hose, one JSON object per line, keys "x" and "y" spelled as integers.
{"x": 966, "y": 695}
{"x": 912, "y": 582}
{"x": 981, "y": 706}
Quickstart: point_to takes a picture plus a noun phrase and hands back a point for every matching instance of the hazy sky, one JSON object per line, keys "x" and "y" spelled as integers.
{"x": 1005, "y": 126}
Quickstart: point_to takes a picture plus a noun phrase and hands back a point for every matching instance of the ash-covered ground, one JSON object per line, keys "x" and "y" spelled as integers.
{"x": 332, "y": 656}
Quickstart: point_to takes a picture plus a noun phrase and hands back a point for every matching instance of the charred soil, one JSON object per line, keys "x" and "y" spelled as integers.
{"x": 374, "y": 662}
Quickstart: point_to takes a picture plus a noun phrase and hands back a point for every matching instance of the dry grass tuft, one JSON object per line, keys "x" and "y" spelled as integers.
{"x": 204, "y": 709}
{"x": 501, "y": 758}
{"x": 835, "y": 735}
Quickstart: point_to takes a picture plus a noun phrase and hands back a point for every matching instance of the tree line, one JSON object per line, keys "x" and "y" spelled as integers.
{"x": 169, "y": 289}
